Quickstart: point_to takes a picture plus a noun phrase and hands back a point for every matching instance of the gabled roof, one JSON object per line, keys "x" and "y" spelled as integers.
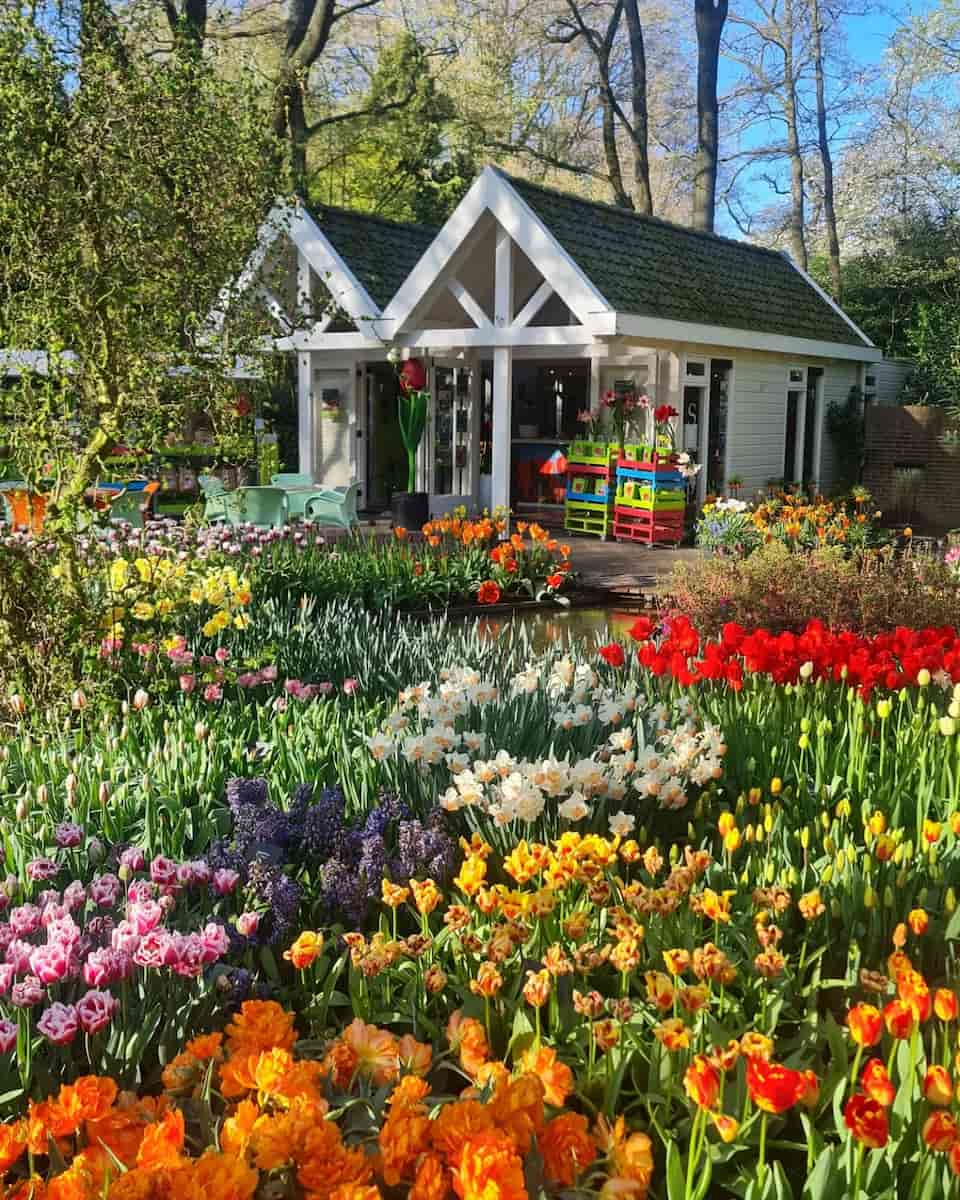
{"x": 650, "y": 267}
{"x": 380, "y": 253}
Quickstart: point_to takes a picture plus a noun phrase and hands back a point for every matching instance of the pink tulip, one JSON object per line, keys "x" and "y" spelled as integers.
{"x": 95, "y": 1010}
{"x": 59, "y": 1023}
{"x": 248, "y": 923}
{"x": 8, "y": 1036}
{"x": 188, "y": 683}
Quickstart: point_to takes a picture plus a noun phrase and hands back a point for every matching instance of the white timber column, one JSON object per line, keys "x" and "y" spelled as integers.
{"x": 502, "y": 373}
{"x": 801, "y": 433}
{"x": 305, "y": 415}
{"x": 471, "y": 363}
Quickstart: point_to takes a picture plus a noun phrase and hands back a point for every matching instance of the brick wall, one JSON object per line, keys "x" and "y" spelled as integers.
{"x": 911, "y": 476}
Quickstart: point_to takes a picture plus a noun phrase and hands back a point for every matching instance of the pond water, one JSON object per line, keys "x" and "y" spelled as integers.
{"x": 549, "y": 627}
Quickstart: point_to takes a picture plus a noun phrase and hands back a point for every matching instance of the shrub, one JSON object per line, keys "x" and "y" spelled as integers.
{"x": 779, "y": 590}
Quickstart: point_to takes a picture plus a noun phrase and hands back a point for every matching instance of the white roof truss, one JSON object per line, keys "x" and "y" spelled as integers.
{"x": 492, "y": 194}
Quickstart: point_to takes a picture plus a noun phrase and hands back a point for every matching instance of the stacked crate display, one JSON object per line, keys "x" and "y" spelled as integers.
{"x": 591, "y": 477}
{"x": 650, "y": 498}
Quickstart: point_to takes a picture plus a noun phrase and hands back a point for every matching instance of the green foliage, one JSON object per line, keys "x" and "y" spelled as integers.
{"x": 907, "y": 299}
{"x": 130, "y": 196}
{"x": 779, "y": 590}
{"x": 410, "y": 160}
{"x": 412, "y": 411}
{"x": 846, "y": 428}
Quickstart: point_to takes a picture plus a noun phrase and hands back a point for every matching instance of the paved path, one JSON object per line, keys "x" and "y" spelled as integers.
{"x": 627, "y": 567}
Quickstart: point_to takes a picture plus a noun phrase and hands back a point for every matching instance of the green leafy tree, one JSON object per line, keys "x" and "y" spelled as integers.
{"x": 131, "y": 194}
{"x": 413, "y": 161}
{"x": 906, "y": 297}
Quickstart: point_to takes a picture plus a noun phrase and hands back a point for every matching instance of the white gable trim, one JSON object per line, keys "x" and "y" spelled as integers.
{"x": 828, "y": 298}
{"x": 490, "y": 192}
{"x": 345, "y": 288}
{"x": 739, "y": 339}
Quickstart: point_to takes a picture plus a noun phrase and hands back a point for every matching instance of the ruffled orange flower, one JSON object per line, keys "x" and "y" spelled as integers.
{"x": 489, "y": 1168}
{"x": 76, "y": 1183}
{"x": 426, "y": 895}
{"x": 377, "y": 1051}
{"x": 404, "y": 1136}
{"x": 326, "y": 1163}
{"x": 456, "y": 1123}
{"x": 432, "y": 1181}
{"x": 95, "y": 1094}
{"x": 945, "y": 1004}
{"x": 517, "y": 1108}
{"x": 630, "y": 1156}
{"x": 260, "y": 1025}
{"x": 567, "y": 1148}
{"x": 467, "y": 1036}
{"x": 13, "y": 1142}
{"x": 223, "y": 1177}
{"x": 119, "y": 1131}
{"x": 238, "y": 1075}
{"x": 237, "y": 1129}
{"x": 556, "y": 1077}
{"x": 210, "y": 1045}
{"x": 183, "y": 1074}
{"x": 162, "y": 1143}
{"x": 356, "y": 1191}
{"x": 414, "y": 1056}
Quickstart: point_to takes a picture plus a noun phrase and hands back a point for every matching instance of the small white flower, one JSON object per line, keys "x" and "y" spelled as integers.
{"x": 380, "y": 746}
{"x": 574, "y": 808}
{"x": 622, "y": 824}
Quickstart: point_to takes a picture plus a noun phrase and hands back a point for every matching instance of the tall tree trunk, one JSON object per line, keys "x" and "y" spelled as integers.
{"x": 611, "y": 152}
{"x": 826, "y": 158}
{"x": 798, "y": 243}
{"x": 290, "y": 123}
{"x": 639, "y": 132}
{"x": 711, "y": 16}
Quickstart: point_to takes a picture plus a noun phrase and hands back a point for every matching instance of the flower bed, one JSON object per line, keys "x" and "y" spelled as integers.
{"x": 673, "y": 917}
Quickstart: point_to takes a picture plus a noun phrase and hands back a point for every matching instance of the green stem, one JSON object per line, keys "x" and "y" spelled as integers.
{"x": 761, "y": 1162}
{"x": 858, "y": 1172}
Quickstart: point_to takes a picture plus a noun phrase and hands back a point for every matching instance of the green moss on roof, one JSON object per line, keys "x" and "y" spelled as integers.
{"x": 650, "y": 267}
{"x": 379, "y": 252}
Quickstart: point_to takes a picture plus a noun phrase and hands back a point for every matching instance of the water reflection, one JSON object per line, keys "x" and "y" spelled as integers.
{"x": 562, "y": 626}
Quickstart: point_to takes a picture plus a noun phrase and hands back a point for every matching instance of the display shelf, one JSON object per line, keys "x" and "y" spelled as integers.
{"x": 647, "y": 526}
{"x": 591, "y": 480}
{"x": 651, "y": 500}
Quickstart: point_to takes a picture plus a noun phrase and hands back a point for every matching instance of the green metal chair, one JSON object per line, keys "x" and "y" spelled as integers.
{"x": 211, "y": 485}
{"x": 333, "y": 506}
{"x": 292, "y": 480}
{"x": 133, "y": 506}
{"x": 215, "y": 505}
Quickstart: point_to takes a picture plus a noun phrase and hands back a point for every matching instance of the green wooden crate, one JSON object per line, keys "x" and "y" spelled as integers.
{"x": 594, "y": 519}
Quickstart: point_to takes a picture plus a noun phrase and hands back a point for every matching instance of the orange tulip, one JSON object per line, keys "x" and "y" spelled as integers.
{"x": 702, "y": 1082}
{"x": 945, "y": 1004}
{"x": 867, "y": 1121}
{"x": 772, "y": 1086}
{"x": 918, "y": 921}
{"x": 913, "y": 990}
{"x": 938, "y": 1087}
{"x": 940, "y": 1132}
{"x": 877, "y": 1084}
{"x": 898, "y": 1018}
{"x": 865, "y": 1024}
{"x": 810, "y": 1094}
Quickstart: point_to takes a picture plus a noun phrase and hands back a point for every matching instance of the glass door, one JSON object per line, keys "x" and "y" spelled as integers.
{"x": 449, "y": 446}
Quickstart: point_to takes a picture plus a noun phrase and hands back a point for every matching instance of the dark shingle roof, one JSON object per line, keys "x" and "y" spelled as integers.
{"x": 379, "y": 252}
{"x": 649, "y": 267}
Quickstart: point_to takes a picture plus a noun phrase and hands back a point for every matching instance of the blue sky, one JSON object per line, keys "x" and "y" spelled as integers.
{"x": 867, "y": 37}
